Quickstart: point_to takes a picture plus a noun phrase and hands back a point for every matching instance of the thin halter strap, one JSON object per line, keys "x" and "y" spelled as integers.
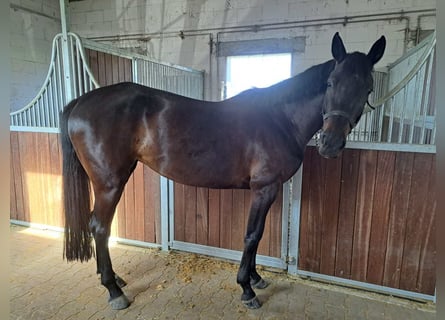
{"x": 340, "y": 113}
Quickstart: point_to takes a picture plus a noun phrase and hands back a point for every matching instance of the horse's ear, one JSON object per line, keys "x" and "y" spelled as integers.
{"x": 377, "y": 50}
{"x": 338, "y": 48}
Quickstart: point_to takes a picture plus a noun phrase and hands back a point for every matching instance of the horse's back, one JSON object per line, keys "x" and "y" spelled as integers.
{"x": 213, "y": 144}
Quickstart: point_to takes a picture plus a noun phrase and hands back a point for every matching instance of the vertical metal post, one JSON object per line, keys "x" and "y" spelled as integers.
{"x": 66, "y": 53}
{"x": 165, "y": 213}
{"x": 294, "y": 222}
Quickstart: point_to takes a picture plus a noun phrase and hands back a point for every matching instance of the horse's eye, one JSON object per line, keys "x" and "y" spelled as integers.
{"x": 329, "y": 84}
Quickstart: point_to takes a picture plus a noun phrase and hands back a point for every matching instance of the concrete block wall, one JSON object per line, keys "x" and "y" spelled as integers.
{"x": 154, "y": 27}
{"x": 162, "y": 21}
{"x": 33, "y": 27}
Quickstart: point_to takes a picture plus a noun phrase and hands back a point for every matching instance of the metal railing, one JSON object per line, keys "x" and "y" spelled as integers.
{"x": 42, "y": 113}
{"x": 43, "y": 110}
{"x": 405, "y": 114}
{"x": 186, "y": 82}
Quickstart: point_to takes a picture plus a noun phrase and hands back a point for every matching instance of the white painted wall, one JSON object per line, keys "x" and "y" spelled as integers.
{"x": 31, "y": 37}
{"x": 162, "y": 21}
{"x": 154, "y": 26}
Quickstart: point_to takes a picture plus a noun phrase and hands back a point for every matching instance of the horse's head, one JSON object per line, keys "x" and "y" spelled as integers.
{"x": 348, "y": 87}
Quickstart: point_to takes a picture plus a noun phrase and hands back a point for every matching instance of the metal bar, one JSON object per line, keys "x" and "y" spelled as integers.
{"x": 59, "y": 79}
{"x": 36, "y": 111}
{"x": 427, "y": 97}
{"x": 228, "y": 254}
{"x": 52, "y": 105}
{"x": 45, "y": 112}
{"x": 72, "y": 67}
{"x": 391, "y": 118}
{"x": 287, "y": 189}
{"x": 294, "y": 221}
{"x": 79, "y": 81}
{"x": 403, "y": 112}
{"x": 365, "y": 285}
{"x": 135, "y": 243}
{"x": 164, "y": 213}
{"x": 171, "y": 211}
{"x": 134, "y": 67}
{"x": 61, "y": 230}
{"x": 387, "y": 146}
{"x": 26, "y": 128}
{"x": 415, "y": 103}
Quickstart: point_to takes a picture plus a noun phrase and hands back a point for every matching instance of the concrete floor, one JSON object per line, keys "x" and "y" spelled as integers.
{"x": 175, "y": 285}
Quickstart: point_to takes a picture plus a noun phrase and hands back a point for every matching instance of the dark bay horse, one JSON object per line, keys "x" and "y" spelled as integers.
{"x": 254, "y": 140}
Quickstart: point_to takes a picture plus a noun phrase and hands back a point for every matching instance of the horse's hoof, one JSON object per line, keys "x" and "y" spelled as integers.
{"x": 119, "y": 281}
{"x": 253, "y": 303}
{"x": 260, "y": 284}
{"x": 119, "y": 303}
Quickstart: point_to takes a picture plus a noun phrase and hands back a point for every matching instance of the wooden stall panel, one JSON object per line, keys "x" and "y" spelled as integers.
{"x": 36, "y": 181}
{"x": 138, "y": 211}
{"x": 218, "y": 218}
{"x": 370, "y": 216}
{"x": 36, "y": 167}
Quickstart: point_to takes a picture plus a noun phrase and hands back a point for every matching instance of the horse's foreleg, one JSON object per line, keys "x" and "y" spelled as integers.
{"x": 262, "y": 199}
{"x": 100, "y": 224}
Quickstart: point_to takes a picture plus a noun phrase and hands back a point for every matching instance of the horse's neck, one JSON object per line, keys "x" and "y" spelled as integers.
{"x": 305, "y": 108}
{"x": 306, "y": 118}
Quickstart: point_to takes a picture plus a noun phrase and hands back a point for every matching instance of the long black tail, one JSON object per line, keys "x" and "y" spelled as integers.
{"x": 76, "y": 197}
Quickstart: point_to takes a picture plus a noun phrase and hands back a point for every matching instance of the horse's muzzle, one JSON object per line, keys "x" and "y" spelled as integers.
{"x": 330, "y": 144}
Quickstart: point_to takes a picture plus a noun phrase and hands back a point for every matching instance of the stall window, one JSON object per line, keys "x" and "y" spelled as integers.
{"x": 261, "y": 70}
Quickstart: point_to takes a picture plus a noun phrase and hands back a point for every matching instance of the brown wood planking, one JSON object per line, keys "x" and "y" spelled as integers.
{"x": 115, "y": 68}
{"x": 121, "y": 70}
{"x": 93, "y": 62}
{"x": 331, "y": 193}
{"x": 202, "y": 216}
{"x": 139, "y": 203}
{"x": 362, "y": 228}
{"x": 303, "y": 249}
{"x": 214, "y": 218}
{"x": 238, "y": 221}
{"x": 226, "y": 218}
{"x": 45, "y": 211}
{"x": 17, "y": 176}
{"x": 275, "y": 216}
{"x": 416, "y": 226}
{"x": 346, "y": 212}
{"x": 190, "y": 214}
{"x": 316, "y": 207}
{"x": 12, "y": 191}
{"x": 128, "y": 198}
{"x": 426, "y": 280}
{"x": 128, "y": 72}
{"x": 151, "y": 205}
{"x": 120, "y": 218}
{"x": 109, "y": 69}
{"x": 179, "y": 207}
{"x": 314, "y": 194}
{"x": 380, "y": 216}
{"x": 101, "y": 74}
{"x": 56, "y": 172}
{"x": 397, "y": 220}
{"x": 26, "y": 162}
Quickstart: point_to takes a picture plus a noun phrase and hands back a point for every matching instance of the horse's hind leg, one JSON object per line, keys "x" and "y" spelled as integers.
{"x": 262, "y": 199}
{"x": 106, "y": 199}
